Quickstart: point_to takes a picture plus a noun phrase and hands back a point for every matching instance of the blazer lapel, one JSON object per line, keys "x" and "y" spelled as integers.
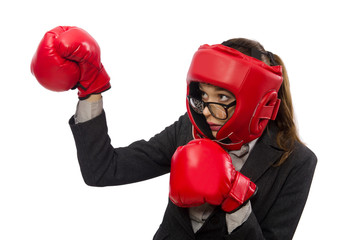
{"x": 264, "y": 154}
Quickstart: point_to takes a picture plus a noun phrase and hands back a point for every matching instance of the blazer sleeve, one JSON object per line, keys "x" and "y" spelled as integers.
{"x": 282, "y": 218}
{"x": 103, "y": 165}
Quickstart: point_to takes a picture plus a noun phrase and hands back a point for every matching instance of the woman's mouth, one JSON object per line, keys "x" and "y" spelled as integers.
{"x": 214, "y": 127}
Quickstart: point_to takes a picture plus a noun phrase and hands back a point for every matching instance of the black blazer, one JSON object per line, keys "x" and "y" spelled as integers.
{"x": 276, "y": 208}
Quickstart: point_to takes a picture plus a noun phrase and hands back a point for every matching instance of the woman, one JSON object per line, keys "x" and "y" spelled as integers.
{"x": 233, "y": 92}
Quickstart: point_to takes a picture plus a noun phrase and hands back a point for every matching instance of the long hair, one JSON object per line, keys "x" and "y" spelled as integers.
{"x": 288, "y": 134}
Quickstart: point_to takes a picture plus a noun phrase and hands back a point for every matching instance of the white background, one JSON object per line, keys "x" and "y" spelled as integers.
{"x": 146, "y": 49}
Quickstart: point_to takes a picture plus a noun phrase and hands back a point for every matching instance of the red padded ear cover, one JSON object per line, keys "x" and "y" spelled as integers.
{"x": 267, "y": 109}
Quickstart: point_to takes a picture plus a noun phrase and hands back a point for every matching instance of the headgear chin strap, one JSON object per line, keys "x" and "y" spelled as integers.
{"x": 254, "y": 84}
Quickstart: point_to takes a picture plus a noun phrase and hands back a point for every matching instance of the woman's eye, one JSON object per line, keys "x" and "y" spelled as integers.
{"x": 203, "y": 96}
{"x": 223, "y": 98}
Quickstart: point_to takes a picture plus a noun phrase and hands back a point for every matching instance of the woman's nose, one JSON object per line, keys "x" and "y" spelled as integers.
{"x": 206, "y": 112}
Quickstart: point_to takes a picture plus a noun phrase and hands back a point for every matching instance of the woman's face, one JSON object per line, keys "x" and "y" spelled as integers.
{"x": 211, "y": 93}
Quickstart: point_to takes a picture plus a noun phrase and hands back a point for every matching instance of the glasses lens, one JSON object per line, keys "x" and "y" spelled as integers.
{"x": 217, "y": 111}
{"x": 197, "y": 105}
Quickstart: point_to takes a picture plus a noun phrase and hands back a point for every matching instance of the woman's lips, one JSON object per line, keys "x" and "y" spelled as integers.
{"x": 214, "y": 127}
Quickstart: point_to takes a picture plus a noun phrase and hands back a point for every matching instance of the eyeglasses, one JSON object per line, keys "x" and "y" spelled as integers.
{"x": 217, "y": 110}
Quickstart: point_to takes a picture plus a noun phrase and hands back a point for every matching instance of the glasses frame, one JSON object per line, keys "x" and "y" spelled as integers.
{"x": 206, "y": 104}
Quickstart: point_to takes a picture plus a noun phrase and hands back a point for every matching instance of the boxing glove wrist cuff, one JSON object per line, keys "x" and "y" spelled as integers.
{"x": 100, "y": 84}
{"x": 242, "y": 190}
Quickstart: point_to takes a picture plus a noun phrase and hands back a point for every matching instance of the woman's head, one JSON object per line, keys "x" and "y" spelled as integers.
{"x": 251, "y": 82}
{"x": 287, "y": 134}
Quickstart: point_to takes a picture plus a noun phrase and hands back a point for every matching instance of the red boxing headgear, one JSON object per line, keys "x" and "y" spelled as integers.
{"x": 254, "y": 84}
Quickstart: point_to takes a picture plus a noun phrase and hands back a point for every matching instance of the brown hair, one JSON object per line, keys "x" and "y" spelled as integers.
{"x": 288, "y": 134}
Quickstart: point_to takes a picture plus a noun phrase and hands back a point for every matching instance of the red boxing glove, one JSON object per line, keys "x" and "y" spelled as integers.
{"x": 68, "y": 57}
{"x": 202, "y": 172}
